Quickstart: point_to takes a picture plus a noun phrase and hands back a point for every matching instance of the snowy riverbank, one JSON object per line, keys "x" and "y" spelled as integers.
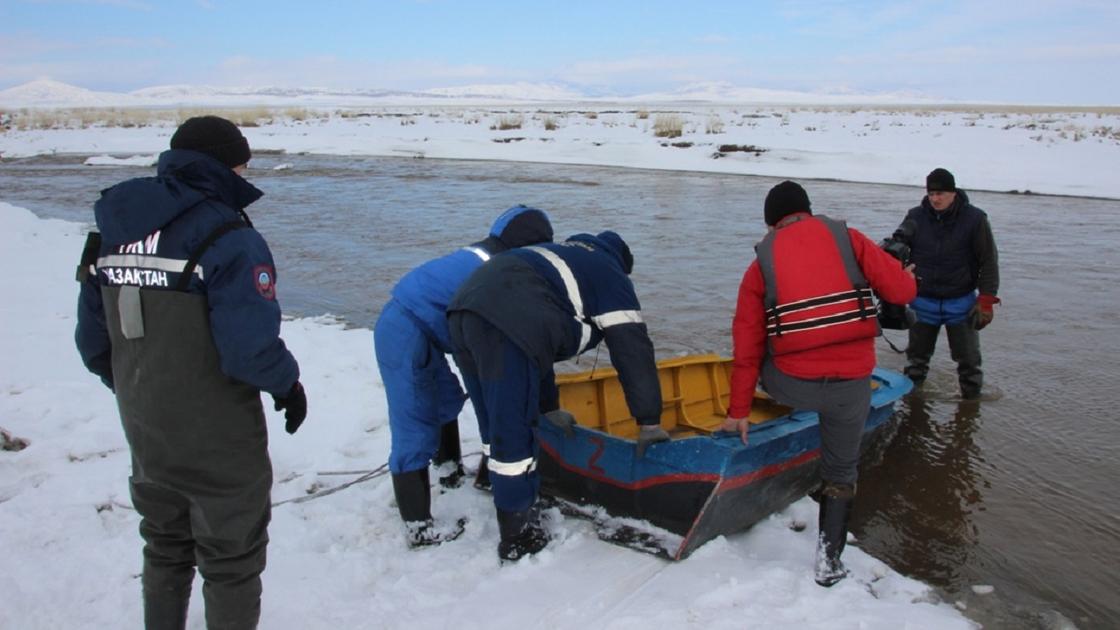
{"x": 988, "y": 148}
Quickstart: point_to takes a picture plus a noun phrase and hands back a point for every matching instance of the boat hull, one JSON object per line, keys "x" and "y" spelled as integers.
{"x": 700, "y": 487}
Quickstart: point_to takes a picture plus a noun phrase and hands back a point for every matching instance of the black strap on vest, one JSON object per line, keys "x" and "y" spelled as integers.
{"x": 89, "y": 255}
{"x": 192, "y": 262}
{"x": 855, "y": 294}
{"x": 861, "y": 290}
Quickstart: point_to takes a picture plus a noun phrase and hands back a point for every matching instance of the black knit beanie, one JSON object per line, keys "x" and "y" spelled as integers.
{"x": 214, "y": 136}
{"x": 940, "y": 179}
{"x": 783, "y": 200}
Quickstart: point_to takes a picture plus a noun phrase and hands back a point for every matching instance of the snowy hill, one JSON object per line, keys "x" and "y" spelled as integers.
{"x": 201, "y": 93}
{"x": 512, "y": 92}
{"x": 50, "y": 93}
{"x": 723, "y": 92}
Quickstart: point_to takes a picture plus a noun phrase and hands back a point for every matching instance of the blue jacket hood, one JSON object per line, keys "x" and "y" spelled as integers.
{"x": 135, "y": 208}
{"x": 609, "y": 241}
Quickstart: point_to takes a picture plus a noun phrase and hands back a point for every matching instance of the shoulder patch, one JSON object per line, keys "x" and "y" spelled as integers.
{"x": 264, "y": 277}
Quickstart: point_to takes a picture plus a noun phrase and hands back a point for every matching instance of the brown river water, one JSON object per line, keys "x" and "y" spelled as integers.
{"x": 1017, "y": 492}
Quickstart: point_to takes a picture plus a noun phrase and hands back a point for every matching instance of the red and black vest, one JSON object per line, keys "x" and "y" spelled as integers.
{"x": 816, "y": 293}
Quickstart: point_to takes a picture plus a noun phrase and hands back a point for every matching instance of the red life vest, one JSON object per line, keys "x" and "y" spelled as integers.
{"x": 816, "y": 293}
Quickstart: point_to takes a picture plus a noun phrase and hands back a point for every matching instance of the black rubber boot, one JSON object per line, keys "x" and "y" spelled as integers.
{"x": 482, "y": 477}
{"x": 166, "y": 609}
{"x": 414, "y": 499}
{"x": 449, "y": 457}
{"x": 922, "y": 342}
{"x": 835, "y": 512}
{"x": 521, "y": 534}
{"x": 964, "y": 344}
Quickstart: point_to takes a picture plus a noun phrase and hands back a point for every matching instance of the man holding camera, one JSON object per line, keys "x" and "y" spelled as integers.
{"x": 957, "y": 265}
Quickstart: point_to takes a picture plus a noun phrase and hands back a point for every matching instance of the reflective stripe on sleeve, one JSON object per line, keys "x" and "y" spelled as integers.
{"x": 614, "y": 318}
{"x": 143, "y": 261}
{"x": 478, "y": 251}
{"x": 512, "y": 469}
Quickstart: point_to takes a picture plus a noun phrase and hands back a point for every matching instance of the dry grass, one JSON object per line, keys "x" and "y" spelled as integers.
{"x": 507, "y": 122}
{"x": 668, "y": 126}
{"x": 85, "y": 117}
{"x": 298, "y": 114}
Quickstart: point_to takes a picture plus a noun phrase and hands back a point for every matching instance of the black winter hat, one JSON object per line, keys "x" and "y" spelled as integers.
{"x": 783, "y": 200}
{"x": 520, "y": 226}
{"x": 940, "y": 179}
{"x": 615, "y": 241}
{"x": 214, "y": 136}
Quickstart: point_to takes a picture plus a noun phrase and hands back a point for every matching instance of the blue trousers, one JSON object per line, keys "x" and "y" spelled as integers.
{"x": 504, "y": 385}
{"x": 422, "y": 392}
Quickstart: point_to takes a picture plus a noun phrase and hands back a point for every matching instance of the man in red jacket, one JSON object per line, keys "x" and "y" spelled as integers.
{"x": 805, "y": 322}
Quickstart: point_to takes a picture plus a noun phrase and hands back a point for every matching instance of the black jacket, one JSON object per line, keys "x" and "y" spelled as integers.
{"x": 557, "y": 300}
{"x": 953, "y": 250}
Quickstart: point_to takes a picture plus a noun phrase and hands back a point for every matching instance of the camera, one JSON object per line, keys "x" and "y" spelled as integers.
{"x": 896, "y": 316}
{"x": 898, "y": 249}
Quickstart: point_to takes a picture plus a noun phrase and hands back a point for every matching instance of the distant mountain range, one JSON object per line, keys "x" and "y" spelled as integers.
{"x": 50, "y": 93}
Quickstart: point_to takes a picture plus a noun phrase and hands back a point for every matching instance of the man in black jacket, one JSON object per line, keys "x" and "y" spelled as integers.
{"x": 178, "y": 316}
{"x": 957, "y": 265}
{"x": 510, "y": 321}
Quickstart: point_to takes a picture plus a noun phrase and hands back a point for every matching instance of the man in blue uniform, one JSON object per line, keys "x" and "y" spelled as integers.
{"x": 178, "y": 316}
{"x": 509, "y": 322}
{"x": 411, "y": 340}
{"x": 957, "y": 265}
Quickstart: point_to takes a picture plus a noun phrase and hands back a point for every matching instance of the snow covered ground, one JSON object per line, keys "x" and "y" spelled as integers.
{"x": 999, "y": 148}
{"x": 72, "y": 552}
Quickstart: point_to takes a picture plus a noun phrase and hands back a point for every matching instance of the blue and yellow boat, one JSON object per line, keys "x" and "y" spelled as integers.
{"x": 703, "y": 483}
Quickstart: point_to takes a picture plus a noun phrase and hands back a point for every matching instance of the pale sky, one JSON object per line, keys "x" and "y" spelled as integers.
{"x": 1029, "y": 51}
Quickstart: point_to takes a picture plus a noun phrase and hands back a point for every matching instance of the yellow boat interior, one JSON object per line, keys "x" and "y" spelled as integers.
{"x": 695, "y": 391}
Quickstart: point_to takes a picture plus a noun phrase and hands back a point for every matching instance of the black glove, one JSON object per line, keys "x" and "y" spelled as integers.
{"x": 295, "y": 405}
{"x": 562, "y": 420}
{"x": 649, "y": 434}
